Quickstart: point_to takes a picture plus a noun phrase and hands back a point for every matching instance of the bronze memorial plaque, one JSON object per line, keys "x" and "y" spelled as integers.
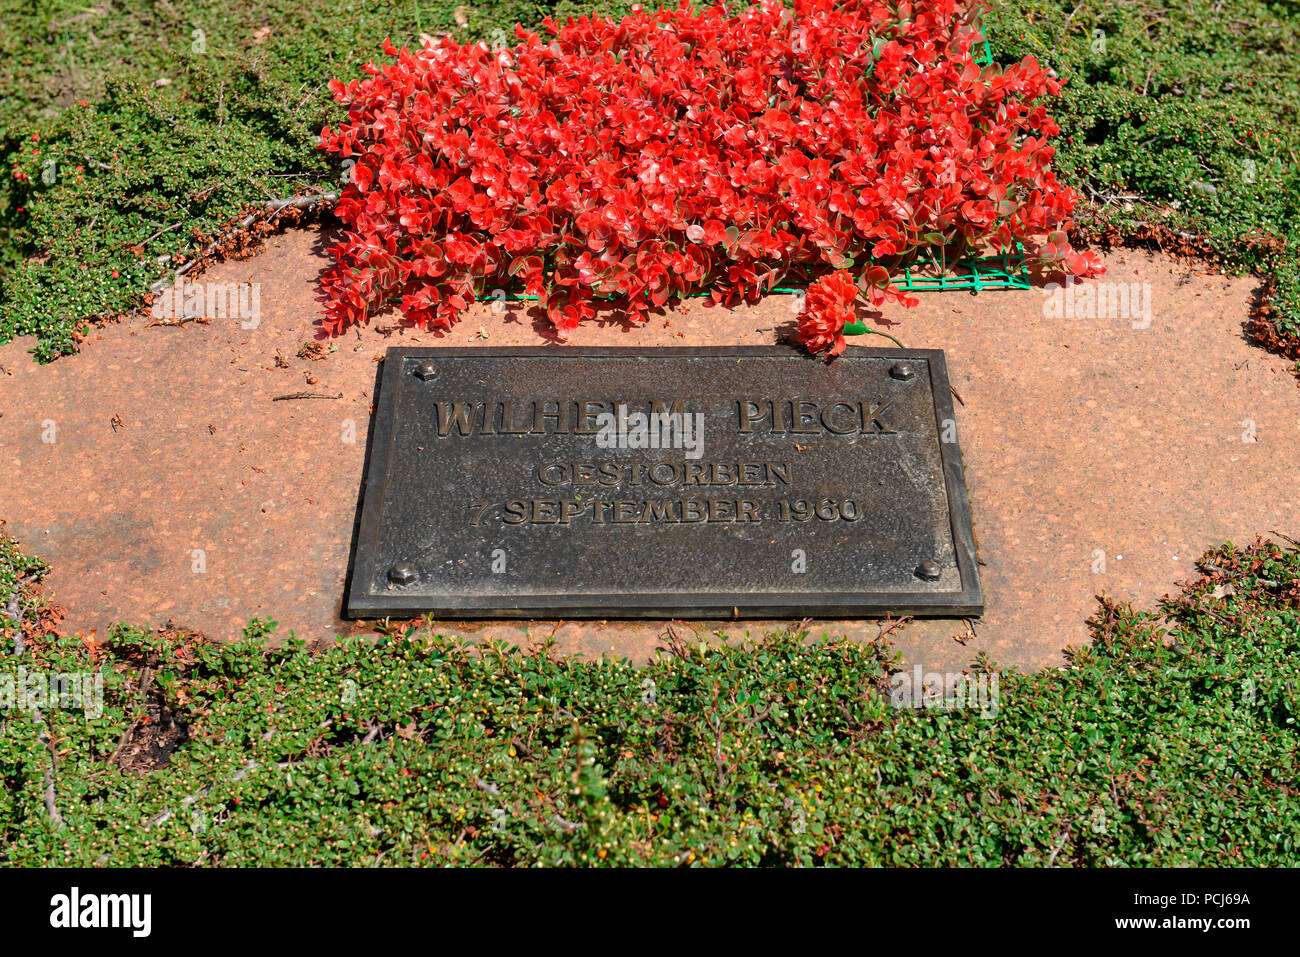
{"x": 685, "y": 483}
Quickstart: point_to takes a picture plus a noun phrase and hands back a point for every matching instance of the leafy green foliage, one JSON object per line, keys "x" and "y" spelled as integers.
{"x": 1178, "y": 113}
{"x": 14, "y": 568}
{"x": 1171, "y": 741}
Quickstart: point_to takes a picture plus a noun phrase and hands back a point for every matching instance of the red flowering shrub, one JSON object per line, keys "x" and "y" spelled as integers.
{"x": 690, "y": 150}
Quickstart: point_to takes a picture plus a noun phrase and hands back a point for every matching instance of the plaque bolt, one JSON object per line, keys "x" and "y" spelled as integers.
{"x": 403, "y": 573}
{"x": 426, "y": 370}
{"x": 930, "y": 571}
{"x": 902, "y": 371}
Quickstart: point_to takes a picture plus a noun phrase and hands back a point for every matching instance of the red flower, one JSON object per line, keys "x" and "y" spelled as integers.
{"x": 828, "y": 305}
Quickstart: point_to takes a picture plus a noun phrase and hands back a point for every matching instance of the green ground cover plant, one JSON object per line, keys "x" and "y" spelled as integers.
{"x": 1172, "y": 740}
{"x": 1178, "y": 125}
{"x": 1177, "y": 116}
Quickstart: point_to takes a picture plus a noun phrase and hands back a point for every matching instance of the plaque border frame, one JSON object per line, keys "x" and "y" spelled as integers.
{"x": 398, "y": 602}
